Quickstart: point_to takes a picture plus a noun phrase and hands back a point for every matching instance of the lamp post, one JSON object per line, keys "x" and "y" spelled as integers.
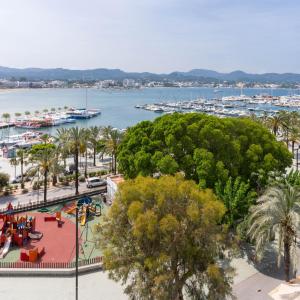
{"x": 77, "y": 254}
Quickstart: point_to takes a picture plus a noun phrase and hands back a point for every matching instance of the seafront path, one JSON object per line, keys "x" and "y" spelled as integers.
{"x": 34, "y": 196}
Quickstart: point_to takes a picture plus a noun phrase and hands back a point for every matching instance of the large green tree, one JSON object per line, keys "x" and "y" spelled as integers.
{"x": 161, "y": 238}
{"x": 205, "y": 148}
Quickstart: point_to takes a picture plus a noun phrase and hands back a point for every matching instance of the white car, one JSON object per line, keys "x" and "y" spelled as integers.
{"x": 94, "y": 182}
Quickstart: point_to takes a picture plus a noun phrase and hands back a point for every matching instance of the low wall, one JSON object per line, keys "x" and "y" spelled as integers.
{"x": 50, "y": 269}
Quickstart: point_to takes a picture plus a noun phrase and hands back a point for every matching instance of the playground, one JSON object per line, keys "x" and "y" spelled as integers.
{"x": 48, "y": 235}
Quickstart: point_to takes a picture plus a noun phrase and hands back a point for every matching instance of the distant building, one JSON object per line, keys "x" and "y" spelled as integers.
{"x": 128, "y": 83}
{"x": 112, "y": 186}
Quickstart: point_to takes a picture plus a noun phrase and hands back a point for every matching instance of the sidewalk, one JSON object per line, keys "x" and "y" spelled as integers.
{"x": 53, "y": 192}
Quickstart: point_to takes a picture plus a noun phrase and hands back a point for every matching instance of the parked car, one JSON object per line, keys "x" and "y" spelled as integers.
{"x": 94, "y": 182}
{"x": 18, "y": 179}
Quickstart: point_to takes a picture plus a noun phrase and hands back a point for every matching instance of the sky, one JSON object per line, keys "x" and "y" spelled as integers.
{"x": 159, "y": 36}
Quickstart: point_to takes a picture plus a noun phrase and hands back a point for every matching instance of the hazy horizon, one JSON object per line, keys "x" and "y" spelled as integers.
{"x": 152, "y": 36}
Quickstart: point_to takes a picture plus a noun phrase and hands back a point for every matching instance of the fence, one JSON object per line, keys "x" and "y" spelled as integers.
{"x": 50, "y": 265}
{"x": 53, "y": 201}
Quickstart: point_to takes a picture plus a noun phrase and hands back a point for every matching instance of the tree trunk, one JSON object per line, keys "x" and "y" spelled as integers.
{"x": 76, "y": 171}
{"x": 115, "y": 164}
{"x": 45, "y": 185}
{"x": 22, "y": 171}
{"x": 179, "y": 295}
{"x": 287, "y": 259}
{"x": 85, "y": 165}
{"x": 54, "y": 180}
{"x": 293, "y": 148}
{"x": 94, "y": 156}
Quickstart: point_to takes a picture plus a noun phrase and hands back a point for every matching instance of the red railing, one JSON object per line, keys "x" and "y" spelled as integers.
{"x": 50, "y": 265}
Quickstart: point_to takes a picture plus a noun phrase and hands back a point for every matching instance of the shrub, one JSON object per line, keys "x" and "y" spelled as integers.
{"x": 4, "y": 179}
{"x": 36, "y": 186}
{"x": 24, "y": 191}
{"x": 65, "y": 183}
{"x": 6, "y": 192}
{"x": 81, "y": 179}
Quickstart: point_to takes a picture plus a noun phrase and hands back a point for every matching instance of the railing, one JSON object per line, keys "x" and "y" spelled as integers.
{"x": 50, "y": 265}
{"x": 53, "y": 201}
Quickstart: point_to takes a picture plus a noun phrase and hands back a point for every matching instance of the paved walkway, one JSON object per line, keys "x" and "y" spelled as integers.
{"x": 53, "y": 192}
{"x": 94, "y": 286}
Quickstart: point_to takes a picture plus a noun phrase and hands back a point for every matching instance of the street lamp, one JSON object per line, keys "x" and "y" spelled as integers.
{"x": 77, "y": 254}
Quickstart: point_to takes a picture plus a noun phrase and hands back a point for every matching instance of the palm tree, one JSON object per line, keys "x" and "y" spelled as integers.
{"x": 294, "y": 137}
{"x": 76, "y": 144}
{"x": 274, "y": 123}
{"x": 113, "y": 138}
{"x": 13, "y": 162}
{"x": 21, "y": 159}
{"x": 277, "y": 212}
{"x": 94, "y": 140}
{"x": 17, "y": 114}
{"x": 45, "y": 110}
{"x": 6, "y": 117}
{"x": 62, "y": 137}
{"x": 27, "y": 113}
{"x": 53, "y": 109}
{"x": 36, "y": 112}
{"x": 44, "y": 156}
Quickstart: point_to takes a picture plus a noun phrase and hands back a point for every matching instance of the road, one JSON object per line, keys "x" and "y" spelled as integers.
{"x": 53, "y": 192}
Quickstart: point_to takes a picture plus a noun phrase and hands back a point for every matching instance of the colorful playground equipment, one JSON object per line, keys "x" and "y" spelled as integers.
{"x": 33, "y": 254}
{"x": 86, "y": 209}
{"x": 16, "y": 230}
{"x": 57, "y": 218}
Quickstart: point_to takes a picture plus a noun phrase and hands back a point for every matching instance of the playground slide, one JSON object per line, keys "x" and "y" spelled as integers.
{"x": 35, "y": 235}
{"x": 83, "y": 220}
{"x": 6, "y": 247}
{"x": 71, "y": 210}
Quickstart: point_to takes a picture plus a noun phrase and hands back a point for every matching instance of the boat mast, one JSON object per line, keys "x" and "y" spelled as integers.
{"x": 85, "y": 98}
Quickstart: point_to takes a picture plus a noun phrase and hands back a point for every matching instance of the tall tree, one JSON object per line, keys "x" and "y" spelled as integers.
{"x": 43, "y": 156}
{"x": 112, "y": 138}
{"x": 21, "y": 159}
{"x": 62, "y": 138}
{"x": 205, "y": 148}
{"x": 277, "y": 212}
{"x": 162, "y": 239}
{"x": 76, "y": 143}
{"x": 237, "y": 197}
{"x": 94, "y": 139}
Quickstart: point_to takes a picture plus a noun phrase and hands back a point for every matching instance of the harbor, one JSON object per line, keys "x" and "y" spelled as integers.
{"x": 232, "y": 106}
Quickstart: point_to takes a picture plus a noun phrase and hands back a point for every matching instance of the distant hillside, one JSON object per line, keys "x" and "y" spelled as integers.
{"x": 116, "y": 74}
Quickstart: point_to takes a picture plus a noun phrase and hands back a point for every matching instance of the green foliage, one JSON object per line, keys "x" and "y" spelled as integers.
{"x": 4, "y": 180}
{"x": 277, "y": 215}
{"x": 205, "y": 148}
{"x": 237, "y": 197}
{"x": 162, "y": 239}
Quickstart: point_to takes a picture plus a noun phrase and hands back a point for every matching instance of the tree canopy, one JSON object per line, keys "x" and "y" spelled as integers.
{"x": 205, "y": 148}
{"x": 162, "y": 239}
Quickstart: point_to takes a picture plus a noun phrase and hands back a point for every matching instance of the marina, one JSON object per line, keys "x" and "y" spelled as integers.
{"x": 234, "y": 106}
{"x": 118, "y": 108}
